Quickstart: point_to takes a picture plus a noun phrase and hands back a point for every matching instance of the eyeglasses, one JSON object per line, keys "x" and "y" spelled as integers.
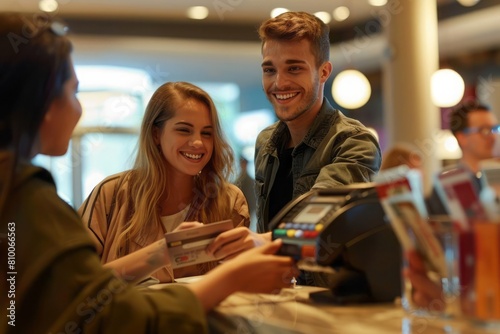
{"x": 483, "y": 130}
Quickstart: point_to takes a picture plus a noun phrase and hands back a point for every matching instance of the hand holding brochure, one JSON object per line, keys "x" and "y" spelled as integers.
{"x": 404, "y": 205}
{"x": 187, "y": 247}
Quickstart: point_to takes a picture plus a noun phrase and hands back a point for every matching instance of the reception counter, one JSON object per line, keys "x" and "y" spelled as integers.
{"x": 293, "y": 312}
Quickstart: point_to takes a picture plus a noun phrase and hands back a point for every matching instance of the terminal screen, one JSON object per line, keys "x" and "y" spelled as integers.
{"x": 312, "y": 213}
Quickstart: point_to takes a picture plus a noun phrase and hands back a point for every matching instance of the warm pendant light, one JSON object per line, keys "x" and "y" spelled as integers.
{"x": 447, "y": 88}
{"x": 351, "y": 89}
{"x": 468, "y": 3}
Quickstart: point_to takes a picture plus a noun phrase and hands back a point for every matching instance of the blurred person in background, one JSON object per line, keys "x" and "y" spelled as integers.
{"x": 476, "y": 129}
{"x": 402, "y": 154}
{"x": 247, "y": 184}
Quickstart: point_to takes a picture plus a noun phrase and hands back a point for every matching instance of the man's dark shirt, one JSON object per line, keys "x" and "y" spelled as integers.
{"x": 282, "y": 190}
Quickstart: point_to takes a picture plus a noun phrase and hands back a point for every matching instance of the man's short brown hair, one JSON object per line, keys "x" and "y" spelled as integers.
{"x": 295, "y": 26}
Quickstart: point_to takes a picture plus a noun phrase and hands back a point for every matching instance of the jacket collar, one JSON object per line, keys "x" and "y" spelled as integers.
{"x": 321, "y": 125}
{"x": 314, "y": 136}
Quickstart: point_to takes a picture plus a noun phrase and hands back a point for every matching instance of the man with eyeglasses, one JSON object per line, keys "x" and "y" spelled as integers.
{"x": 476, "y": 129}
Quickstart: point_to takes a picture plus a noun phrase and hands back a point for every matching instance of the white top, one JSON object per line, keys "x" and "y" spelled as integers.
{"x": 172, "y": 221}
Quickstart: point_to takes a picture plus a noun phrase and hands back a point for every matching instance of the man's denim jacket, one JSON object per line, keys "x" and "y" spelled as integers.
{"x": 349, "y": 153}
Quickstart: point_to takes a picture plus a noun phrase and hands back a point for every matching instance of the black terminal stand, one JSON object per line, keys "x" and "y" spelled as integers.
{"x": 356, "y": 240}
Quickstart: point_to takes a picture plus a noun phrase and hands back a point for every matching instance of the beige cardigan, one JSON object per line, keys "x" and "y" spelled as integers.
{"x": 107, "y": 210}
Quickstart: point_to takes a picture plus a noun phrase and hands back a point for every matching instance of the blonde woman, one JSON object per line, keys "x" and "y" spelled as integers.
{"x": 179, "y": 180}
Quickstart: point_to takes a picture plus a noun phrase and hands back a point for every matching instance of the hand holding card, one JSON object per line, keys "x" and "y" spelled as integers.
{"x": 187, "y": 247}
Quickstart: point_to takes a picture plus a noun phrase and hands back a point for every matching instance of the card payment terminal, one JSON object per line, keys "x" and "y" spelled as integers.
{"x": 344, "y": 228}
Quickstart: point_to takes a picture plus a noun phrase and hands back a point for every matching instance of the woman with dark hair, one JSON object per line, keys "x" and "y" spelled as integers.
{"x": 51, "y": 276}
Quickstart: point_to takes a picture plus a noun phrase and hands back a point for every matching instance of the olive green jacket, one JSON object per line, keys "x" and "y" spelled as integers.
{"x": 57, "y": 284}
{"x": 337, "y": 150}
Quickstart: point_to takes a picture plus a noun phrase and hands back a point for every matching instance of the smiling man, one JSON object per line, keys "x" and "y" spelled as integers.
{"x": 312, "y": 146}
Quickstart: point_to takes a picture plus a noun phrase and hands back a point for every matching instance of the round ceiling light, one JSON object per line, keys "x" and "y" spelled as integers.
{"x": 277, "y": 11}
{"x": 351, "y": 89}
{"x": 377, "y": 3}
{"x": 197, "y": 12}
{"x": 48, "y": 6}
{"x": 324, "y": 16}
{"x": 341, "y": 13}
{"x": 447, "y": 88}
{"x": 468, "y": 3}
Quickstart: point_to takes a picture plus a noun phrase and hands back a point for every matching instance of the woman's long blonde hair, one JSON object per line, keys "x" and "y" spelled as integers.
{"x": 148, "y": 179}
